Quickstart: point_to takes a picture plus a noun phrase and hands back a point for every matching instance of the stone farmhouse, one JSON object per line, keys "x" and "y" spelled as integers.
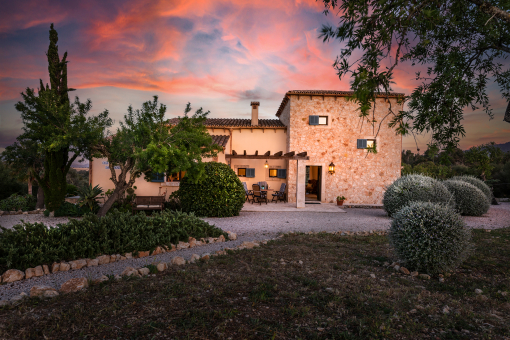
{"x": 317, "y": 146}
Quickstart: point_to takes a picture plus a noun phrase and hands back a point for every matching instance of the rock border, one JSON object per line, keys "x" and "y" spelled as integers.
{"x": 13, "y": 275}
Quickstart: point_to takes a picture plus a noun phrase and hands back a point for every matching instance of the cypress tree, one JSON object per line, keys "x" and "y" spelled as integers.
{"x": 59, "y": 127}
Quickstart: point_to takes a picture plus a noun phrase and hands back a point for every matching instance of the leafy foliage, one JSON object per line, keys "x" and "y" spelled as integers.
{"x": 18, "y": 202}
{"x": 89, "y": 196}
{"x": 460, "y": 43}
{"x": 219, "y": 194}
{"x": 146, "y": 143}
{"x": 9, "y": 184}
{"x": 430, "y": 238}
{"x": 469, "y": 200}
{"x": 68, "y": 209}
{"x": 56, "y": 127}
{"x": 31, "y": 244}
{"x": 415, "y": 188}
{"x": 477, "y": 183}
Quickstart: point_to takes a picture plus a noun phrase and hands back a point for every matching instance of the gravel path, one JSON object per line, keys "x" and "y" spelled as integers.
{"x": 249, "y": 226}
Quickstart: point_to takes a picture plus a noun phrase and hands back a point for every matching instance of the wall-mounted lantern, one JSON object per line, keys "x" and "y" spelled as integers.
{"x": 266, "y": 165}
{"x": 331, "y": 168}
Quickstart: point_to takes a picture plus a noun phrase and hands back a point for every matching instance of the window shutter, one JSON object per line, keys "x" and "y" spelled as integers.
{"x": 250, "y": 172}
{"x": 362, "y": 143}
{"x": 158, "y": 177}
{"x": 313, "y": 120}
{"x": 282, "y": 173}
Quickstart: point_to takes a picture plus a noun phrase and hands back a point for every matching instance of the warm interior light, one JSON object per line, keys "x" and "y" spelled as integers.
{"x": 331, "y": 168}
{"x": 266, "y": 165}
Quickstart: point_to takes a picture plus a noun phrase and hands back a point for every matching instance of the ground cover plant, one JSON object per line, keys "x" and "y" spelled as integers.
{"x": 219, "y": 194}
{"x": 255, "y": 295}
{"x": 18, "y": 202}
{"x": 27, "y": 245}
{"x": 430, "y": 238}
{"x": 415, "y": 188}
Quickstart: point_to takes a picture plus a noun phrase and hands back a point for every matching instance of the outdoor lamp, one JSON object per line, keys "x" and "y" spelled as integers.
{"x": 266, "y": 165}
{"x": 331, "y": 168}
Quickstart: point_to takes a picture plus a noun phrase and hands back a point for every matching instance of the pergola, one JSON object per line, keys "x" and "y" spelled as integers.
{"x": 300, "y": 157}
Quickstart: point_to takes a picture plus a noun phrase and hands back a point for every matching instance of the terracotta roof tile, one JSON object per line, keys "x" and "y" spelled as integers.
{"x": 234, "y": 122}
{"x": 324, "y": 93}
{"x": 221, "y": 140}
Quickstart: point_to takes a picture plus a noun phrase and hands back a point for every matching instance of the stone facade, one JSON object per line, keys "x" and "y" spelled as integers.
{"x": 359, "y": 176}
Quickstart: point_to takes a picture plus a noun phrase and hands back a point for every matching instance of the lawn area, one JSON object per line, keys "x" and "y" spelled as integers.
{"x": 252, "y": 294}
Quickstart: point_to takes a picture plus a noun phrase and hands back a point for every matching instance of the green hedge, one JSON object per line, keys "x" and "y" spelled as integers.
{"x": 219, "y": 194}
{"x": 18, "y": 202}
{"x": 31, "y": 244}
{"x": 70, "y": 210}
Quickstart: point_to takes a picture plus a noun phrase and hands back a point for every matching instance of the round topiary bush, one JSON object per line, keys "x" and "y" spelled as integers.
{"x": 429, "y": 237}
{"x": 219, "y": 194}
{"x": 469, "y": 200}
{"x": 477, "y": 183}
{"x": 415, "y": 188}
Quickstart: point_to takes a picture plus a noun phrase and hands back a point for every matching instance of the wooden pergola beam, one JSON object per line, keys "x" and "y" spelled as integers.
{"x": 292, "y": 153}
{"x": 267, "y": 153}
{"x": 279, "y": 153}
{"x": 295, "y": 157}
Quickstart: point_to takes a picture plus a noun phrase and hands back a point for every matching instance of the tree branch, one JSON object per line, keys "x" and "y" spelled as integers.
{"x": 492, "y": 10}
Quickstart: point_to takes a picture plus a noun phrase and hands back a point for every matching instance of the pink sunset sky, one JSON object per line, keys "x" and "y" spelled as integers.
{"x": 218, "y": 55}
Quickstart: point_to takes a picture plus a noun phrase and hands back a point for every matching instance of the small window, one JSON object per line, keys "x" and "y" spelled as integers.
{"x": 176, "y": 177}
{"x": 323, "y": 120}
{"x": 158, "y": 177}
{"x": 365, "y": 143}
{"x": 273, "y": 172}
{"x": 241, "y": 172}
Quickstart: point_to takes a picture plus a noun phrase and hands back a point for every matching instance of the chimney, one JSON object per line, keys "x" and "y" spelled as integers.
{"x": 255, "y": 113}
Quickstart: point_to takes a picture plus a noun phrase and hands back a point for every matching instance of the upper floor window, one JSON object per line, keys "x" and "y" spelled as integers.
{"x": 365, "y": 143}
{"x": 318, "y": 120}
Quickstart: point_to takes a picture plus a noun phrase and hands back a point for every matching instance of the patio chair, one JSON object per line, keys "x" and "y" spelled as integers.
{"x": 263, "y": 184}
{"x": 247, "y": 192}
{"x": 280, "y": 194}
{"x": 258, "y": 194}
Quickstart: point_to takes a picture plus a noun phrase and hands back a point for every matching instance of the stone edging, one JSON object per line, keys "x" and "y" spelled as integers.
{"x": 77, "y": 284}
{"x": 20, "y": 212}
{"x": 13, "y": 275}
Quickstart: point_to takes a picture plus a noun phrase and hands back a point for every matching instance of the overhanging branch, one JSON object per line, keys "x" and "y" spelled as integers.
{"x": 492, "y": 10}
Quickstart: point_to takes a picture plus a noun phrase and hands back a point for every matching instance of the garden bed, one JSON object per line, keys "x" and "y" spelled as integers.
{"x": 305, "y": 286}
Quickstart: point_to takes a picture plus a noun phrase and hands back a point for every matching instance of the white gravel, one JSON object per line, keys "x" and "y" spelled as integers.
{"x": 248, "y": 226}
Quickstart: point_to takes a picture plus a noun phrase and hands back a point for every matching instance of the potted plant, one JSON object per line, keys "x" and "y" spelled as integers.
{"x": 340, "y": 200}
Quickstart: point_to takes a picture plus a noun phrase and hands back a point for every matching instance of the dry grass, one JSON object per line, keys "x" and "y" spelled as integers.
{"x": 252, "y": 295}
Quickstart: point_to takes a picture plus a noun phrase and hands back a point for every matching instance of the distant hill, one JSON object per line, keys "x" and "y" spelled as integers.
{"x": 504, "y": 147}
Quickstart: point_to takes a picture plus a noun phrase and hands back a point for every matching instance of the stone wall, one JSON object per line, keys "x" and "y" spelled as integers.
{"x": 359, "y": 176}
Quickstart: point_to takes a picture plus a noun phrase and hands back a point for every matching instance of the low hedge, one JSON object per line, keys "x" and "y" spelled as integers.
{"x": 28, "y": 245}
{"x": 68, "y": 209}
{"x": 477, "y": 183}
{"x": 18, "y": 202}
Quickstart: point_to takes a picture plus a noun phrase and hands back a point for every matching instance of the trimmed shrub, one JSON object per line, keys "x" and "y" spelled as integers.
{"x": 27, "y": 245}
{"x": 477, "y": 183}
{"x": 469, "y": 200}
{"x": 415, "y": 188}
{"x": 430, "y": 238}
{"x": 18, "y": 202}
{"x": 219, "y": 194}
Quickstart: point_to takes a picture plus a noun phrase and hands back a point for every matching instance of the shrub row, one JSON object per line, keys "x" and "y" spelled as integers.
{"x": 469, "y": 195}
{"x": 31, "y": 244}
{"x": 18, "y": 202}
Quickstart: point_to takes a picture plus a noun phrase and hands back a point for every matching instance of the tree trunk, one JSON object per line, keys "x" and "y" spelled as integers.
{"x": 40, "y": 197}
{"x": 30, "y": 186}
{"x": 112, "y": 199}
